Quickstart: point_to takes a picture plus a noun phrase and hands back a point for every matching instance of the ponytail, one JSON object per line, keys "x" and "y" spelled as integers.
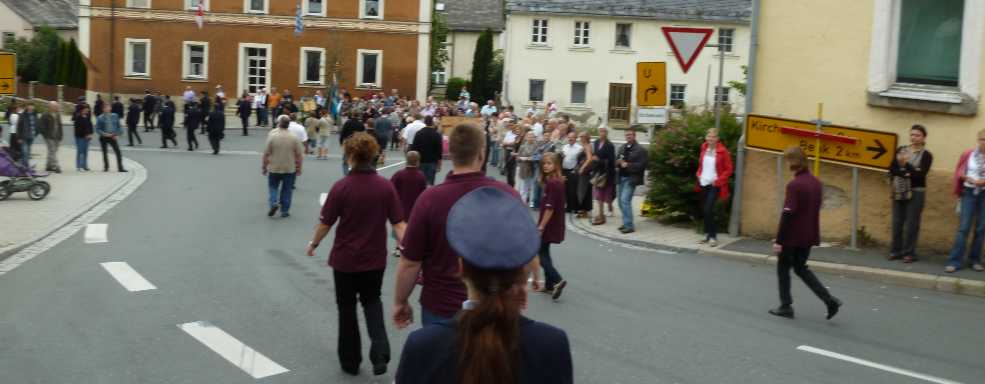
{"x": 488, "y": 335}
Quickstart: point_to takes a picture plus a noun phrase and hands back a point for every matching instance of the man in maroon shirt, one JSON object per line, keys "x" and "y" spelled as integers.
{"x": 425, "y": 246}
{"x": 799, "y": 230}
{"x": 409, "y": 183}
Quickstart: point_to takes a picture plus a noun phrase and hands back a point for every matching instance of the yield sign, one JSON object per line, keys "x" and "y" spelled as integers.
{"x": 687, "y": 43}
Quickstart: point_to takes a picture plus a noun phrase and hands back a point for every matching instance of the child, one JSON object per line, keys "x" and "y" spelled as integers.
{"x": 409, "y": 183}
{"x": 551, "y": 222}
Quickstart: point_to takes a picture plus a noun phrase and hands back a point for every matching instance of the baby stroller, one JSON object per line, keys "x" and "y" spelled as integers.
{"x": 22, "y": 179}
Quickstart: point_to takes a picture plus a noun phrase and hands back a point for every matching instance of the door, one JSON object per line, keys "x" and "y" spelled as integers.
{"x": 256, "y": 69}
{"x": 619, "y": 102}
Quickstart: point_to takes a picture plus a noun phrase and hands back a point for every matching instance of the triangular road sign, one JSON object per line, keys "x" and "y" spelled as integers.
{"x": 687, "y": 43}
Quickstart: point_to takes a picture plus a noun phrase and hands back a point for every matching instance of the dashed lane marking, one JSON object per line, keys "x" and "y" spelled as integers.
{"x": 96, "y": 233}
{"x": 241, "y": 355}
{"x": 871, "y": 364}
{"x": 128, "y": 277}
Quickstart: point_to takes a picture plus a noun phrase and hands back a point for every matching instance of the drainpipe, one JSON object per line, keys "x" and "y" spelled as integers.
{"x": 740, "y": 163}
{"x": 112, "y": 51}
{"x": 504, "y": 97}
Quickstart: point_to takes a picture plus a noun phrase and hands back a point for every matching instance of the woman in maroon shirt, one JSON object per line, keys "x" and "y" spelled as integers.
{"x": 551, "y": 223}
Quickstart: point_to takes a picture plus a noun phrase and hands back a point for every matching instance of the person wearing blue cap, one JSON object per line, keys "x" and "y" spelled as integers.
{"x": 489, "y": 341}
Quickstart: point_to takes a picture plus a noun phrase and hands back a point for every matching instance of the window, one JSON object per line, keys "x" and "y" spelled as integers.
{"x": 138, "y": 3}
{"x": 578, "y": 91}
{"x": 193, "y": 4}
{"x": 624, "y": 33}
{"x": 256, "y": 6}
{"x": 677, "y": 95}
{"x": 314, "y": 7}
{"x": 9, "y": 38}
{"x": 581, "y": 32}
{"x": 254, "y": 67}
{"x": 721, "y": 95}
{"x": 196, "y": 60}
{"x": 369, "y": 68}
{"x": 312, "y": 66}
{"x": 930, "y": 42}
{"x": 539, "y": 35}
{"x": 371, "y": 9}
{"x": 536, "y": 90}
{"x": 439, "y": 77}
{"x": 725, "y": 38}
{"x": 137, "y": 57}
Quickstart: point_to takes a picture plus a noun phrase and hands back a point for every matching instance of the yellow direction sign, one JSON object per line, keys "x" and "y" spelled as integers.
{"x": 8, "y": 73}
{"x": 651, "y": 84}
{"x": 851, "y": 146}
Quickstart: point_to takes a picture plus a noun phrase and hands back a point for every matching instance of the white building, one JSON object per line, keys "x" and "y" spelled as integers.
{"x": 583, "y": 54}
{"x": 467, "y": 19}
{"x": 20, "y": 18}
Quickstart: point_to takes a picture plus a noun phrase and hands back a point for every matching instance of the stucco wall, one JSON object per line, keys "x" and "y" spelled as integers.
{"x": 462, "y": 50}
{"x": 812, "y": 52}
{"x": 11, "y": 22}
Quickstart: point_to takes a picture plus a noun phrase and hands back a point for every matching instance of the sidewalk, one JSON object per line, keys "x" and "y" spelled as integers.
{"x": 866, "y": 264}
{"x": 72, "y": 194}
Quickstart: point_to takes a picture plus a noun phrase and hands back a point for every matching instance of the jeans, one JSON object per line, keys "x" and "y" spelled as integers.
{"x": 708, "y": 198}
{"x": 906, "y": 224}
{"x": 284, "y": 181}
{"x": 626, "y": 189}
{"x": 345, "y": 164}
{"x": 972, "y": 209}
{"x": 494, "y": 155}
{"x": 364, "y": 288}
{"x": 428, "y": 318}
{"x": 429, "y": 169}
{"x": 796, "y": 258}
{"x": 551, "y": 275}
{"x": 261, "y": 117}
{"x": 81, "y": 153}
{"x": 26, "y": 150}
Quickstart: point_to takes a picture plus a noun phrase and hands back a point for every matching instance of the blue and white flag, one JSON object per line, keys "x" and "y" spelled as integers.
{"x": 298, "y": 22}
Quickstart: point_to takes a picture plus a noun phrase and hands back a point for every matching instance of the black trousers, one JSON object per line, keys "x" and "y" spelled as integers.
{"x": 796, "y": 258}
{"x": 246, "y": 124}
{"x": 167, "y": 133}
{"x": 709, "y": 195}
{"x": 131, "y": 132}
{"x": 214, "y": 142}
{"x": 510, "y": 168}
{"x": 103, "y": 142}
{"x": 570, "y": 190}
{"x": 364, "y": 287}
{"x": 190, "y": 135}
{"x": 148, "y": 121}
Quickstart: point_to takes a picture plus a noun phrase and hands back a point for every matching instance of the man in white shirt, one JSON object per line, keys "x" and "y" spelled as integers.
{"x": 489, "y": 109}
{"x": 189, "y": 95}
{"x": 298, "y": 130}
{"x": 260, "y": 104}
{"x": 411, "y": 130}
{"x": 538, "y": 129}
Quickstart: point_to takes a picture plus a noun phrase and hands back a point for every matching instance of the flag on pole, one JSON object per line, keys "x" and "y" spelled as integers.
{"x": 200, "y": 14}
{"x": 298, "y": 22}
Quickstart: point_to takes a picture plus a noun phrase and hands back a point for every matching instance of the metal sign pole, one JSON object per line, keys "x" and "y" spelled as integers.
{"x": 855, "y": 177}
{"x": 721, "y": 76}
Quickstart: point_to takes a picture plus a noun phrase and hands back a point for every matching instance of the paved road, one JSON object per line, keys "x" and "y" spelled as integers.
{"x": 197, "y": 231}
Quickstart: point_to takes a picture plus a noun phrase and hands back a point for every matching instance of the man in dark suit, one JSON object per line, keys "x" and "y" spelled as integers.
{"x": 216, "y": 128}
{"x": 133, "y": 118}
{"x": 193, "y": 118}
{"x": 117, "y": 107}
{"x": 799, "y": 230}
{"x": 150, "y": 107}
{"x": 166, "y": 122}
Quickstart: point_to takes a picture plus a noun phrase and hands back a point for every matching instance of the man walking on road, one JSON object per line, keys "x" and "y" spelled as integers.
{"x": 428, "y": 142}
{"x": 51, "y": 130}
{"x": 166, "y": 123}
{"x": 425, "y": 243}
{"x": 799, "y": 230}
{"x": 631, "y": 163}
{"x": 150, "y": 109}
{"x": 282, "y": 161}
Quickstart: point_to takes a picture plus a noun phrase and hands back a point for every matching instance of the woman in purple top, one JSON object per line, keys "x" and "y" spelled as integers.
{"x": 551, "y": 223}
{"x": 362, "y": 203}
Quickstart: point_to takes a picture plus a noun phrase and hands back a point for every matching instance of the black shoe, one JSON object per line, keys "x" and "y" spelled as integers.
{"x": 833, "y": 305}
{"x": 558, "y": 289}
{"x": 164, "y": 147}
{"x": 379, "y": 369}
{"x": 124, "y": 170}
{"x": 354, "y": 371}
{"x": 273, "y": 210}
{"x": 782, "y": 312}
{"x": 621, "y": 228}
{"x": 627, "y": 231}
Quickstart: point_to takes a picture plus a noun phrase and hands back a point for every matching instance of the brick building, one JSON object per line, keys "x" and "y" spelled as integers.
{"x": 244, "y": 45}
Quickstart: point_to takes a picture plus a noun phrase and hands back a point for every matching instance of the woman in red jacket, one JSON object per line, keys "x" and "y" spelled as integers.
{"x": 714, "y": 170}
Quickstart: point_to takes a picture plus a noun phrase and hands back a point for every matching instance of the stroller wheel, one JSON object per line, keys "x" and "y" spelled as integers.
{"x": 39, "y": 190}
{"x": 4, "y": 189}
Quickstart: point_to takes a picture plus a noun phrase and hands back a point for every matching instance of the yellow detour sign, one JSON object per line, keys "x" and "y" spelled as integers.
{"x": 651, "y": 84}
{"x": 850, "y": 146}
{"x": 8, "y": 73}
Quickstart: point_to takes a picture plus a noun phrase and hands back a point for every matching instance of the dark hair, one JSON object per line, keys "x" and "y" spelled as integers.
{"x": 921, "y": 128}
{"x": 796, "y": 158}
{"x": 488, "y": 335}
{"x": 361, "y": 148}
{"x": 465, "y": 144}
{"x": 429, "y": 121}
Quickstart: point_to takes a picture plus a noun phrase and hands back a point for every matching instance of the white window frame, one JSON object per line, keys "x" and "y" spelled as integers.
{"x": 128, "y": 57}
{"x": 571, "y": 99}
{"x": 543, "y": 90}
{"x": 583, "y": 33}
{"x": 130, "y": 5}
{"x": 246, "y": 7}
{"x": 884, "y": 55}
{"x": 191, "y": 5}
{"x": 321, "y": 12}
{"x": 540, "y": 31}
{"x": 303, "y": 67}
{"x": 630, "y": 37}
{"x": 722, "y": 95}
{"x": 362, "y": 10}
{"x": 241, "y": 83}
{"x": 359, "y": 69}
{"x": 186, "y": 64}
{"x": 683, "y": 98}
{"x": 440, "y": 77}
{"x": 731, "y": 42}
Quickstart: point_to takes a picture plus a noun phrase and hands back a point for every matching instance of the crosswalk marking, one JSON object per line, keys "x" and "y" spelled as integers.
{"x": 241, "y": 355}
{"x": 96, "y": 233}
{"x": 128, "y": 277}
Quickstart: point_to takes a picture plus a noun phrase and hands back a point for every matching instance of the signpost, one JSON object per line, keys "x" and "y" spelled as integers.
{"x": 651, "y": 116}
{"x": 651, "y": 84}
{"x": 849, "y": 146}
{"x": 687, "y": 43}
{"x": 8, "y": 74}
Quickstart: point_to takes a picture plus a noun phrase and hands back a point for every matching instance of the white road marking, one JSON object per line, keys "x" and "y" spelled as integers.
{"x": 870, "y": 364}
{"x": 241, "y": 355}
{"x": 128, "y": 277}
{"x": 321, "y": 199}
{"x": 96, "y": 233}
{"x": 392, "y": 165}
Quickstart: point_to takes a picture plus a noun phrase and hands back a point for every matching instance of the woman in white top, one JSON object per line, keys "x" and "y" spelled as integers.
{"x": 714, "y": 170}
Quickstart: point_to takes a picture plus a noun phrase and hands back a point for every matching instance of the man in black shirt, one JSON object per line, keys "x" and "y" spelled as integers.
{"x": 351, "y": 126}
{"x": 428, "y": 142}
{"x": 150, "y": 109}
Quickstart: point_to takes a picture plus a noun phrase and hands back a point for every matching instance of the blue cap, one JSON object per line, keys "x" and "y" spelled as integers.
{"x": 492, "y": 229}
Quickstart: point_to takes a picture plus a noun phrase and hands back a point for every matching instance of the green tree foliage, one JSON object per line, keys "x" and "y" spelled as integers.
{"x": 455, "y": 85}
{"x": 62, "y": 63}
{"x": 674, "y": 162}
{"x": 439, "y": 36}
{"x": 45, "y": 45}
{"x": 497, "y": 71}
{"x": 482, "y": 68}
{"x": 740, "y": 85}
{"x": 77, "y": 74}
{"x": 46, "y": 58}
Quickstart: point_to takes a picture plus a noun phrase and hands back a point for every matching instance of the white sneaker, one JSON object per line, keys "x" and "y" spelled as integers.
{"x": 713, "y": 243}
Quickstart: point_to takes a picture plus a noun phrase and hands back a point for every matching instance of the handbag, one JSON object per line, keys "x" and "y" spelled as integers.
{"x": 599, "y": 180}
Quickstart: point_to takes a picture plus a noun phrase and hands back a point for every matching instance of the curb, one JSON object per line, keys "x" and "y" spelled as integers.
{"x": 14, "y": 249}
{"x": 932, "y": 282}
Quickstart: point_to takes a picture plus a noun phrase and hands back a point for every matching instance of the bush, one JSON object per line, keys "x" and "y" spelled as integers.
{"x": 455, "y": 85}
{"x": 674, "y": 162}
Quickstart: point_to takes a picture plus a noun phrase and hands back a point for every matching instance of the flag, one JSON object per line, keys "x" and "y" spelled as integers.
{"x": 298, "y": 22}
{"x": 200, "y": 14}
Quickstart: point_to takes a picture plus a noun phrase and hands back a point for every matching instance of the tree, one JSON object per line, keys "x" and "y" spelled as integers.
{"x": 455, "y": 85}
{"x": 740, "y": 85}
{"x": 44, "y": 46}
{"x": 77, "y": 75}
{"x": 62, "y": 63}
{"x": 48, "y": 59}
{"x": 497, "y": 71}
{"x": 482, "y": 66}
{"x": 439, "y": 38}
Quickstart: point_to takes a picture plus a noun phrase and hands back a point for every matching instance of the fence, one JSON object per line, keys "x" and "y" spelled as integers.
{"x": 48, "y": 92}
